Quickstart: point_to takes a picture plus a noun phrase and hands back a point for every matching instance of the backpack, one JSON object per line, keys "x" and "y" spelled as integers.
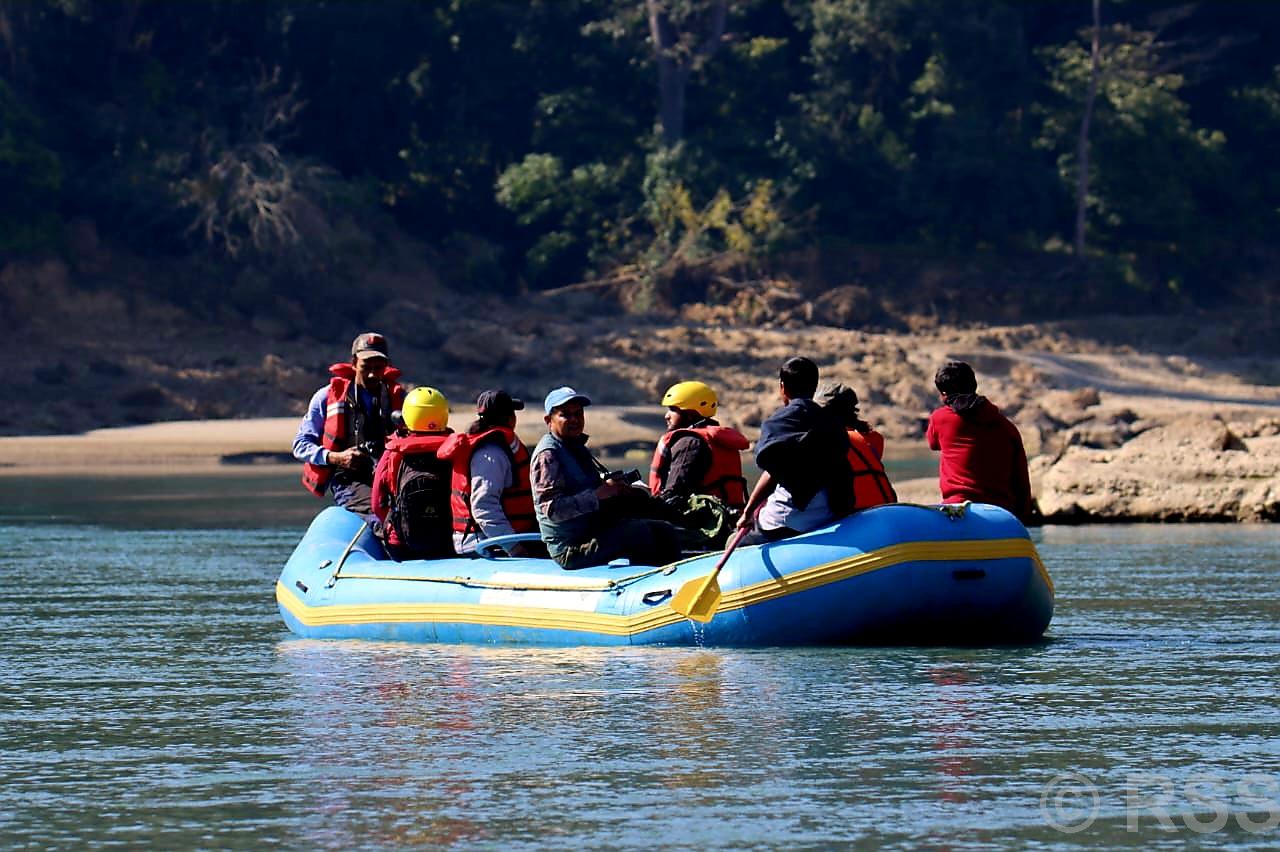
{"x": 421, "y": 514}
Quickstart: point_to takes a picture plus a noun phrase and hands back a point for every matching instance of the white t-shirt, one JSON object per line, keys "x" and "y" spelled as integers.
{"x": 779, "y": 511}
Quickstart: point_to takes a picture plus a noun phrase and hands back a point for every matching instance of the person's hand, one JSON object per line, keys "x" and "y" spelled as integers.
{"x": 611, "y": 488}
{"x": 746, "y": 521}
{"x": 350, "y": 457}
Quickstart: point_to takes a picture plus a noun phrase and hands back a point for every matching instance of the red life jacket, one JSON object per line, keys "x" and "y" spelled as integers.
{"x": 871, "y": 486}
{"x": 517, "y": 500}
{"x": 337, "y": 420}
{"x": 386, "y": 479}
{"x": 723, "y": 479}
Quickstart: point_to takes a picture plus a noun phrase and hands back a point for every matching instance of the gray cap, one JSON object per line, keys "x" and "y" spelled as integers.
{"x": 837, "y": 398}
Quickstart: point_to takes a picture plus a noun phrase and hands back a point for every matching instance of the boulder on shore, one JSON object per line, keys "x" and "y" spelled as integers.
{"x": 1195, "y": 468}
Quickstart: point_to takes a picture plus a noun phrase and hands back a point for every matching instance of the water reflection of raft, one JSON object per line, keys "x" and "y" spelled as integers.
{"x": 893, "y": 574}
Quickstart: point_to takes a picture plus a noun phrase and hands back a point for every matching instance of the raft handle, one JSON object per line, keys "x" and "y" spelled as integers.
{"x": 494, "y": 548}
{"x": 300, "y": 585}
{"x": 654, "y": 598}
{"x": 969, "y": 573}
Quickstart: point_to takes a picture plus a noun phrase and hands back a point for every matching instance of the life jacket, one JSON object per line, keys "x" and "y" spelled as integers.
{"x": 340, "y": 410}
{"x": 418, "y": 496}
{"x": 517, "y": 500}
{"x": 871, "y": 486}
{"x": 724, "y": 477}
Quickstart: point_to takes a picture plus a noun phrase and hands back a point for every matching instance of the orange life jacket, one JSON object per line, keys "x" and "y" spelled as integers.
{"x": 723, "y": 479}
{"x": 337, "y": 420}
{"x": 517, "y": 500}
{"x": 871, "y": 486}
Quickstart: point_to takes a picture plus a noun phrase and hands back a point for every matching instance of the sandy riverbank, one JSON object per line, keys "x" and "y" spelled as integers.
{"x": 1180, "y": 421}
{"x": 212, "y": 445}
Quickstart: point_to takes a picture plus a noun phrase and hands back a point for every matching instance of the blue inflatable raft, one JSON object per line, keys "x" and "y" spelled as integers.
{"x": 896, "y": 574}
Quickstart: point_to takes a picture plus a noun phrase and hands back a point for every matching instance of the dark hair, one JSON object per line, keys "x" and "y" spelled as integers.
{"x": 955, "y": 377}
{"x": 483, "y": 423}
{"x": 799, "y": 377}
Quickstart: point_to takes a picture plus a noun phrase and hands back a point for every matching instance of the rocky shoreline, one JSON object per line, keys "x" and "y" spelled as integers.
{"x": 1125, "y": 418}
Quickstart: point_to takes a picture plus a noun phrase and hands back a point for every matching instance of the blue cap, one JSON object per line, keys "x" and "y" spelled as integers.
{"x": 560, "y": 396}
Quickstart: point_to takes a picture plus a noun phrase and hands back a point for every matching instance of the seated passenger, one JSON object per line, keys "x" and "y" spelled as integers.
{"x": 411, "y": 484}
{"x": 586, "y": 519}
{"x": 697, "y": 455}
{"x": 983, "y": 459}
{"x": 871, "y": 486}
{"x": 491, "y": 494}
{"x": 805, "y": 480}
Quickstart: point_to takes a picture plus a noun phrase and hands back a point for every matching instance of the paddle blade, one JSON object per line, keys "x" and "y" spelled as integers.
{"x": 698, "y": 599}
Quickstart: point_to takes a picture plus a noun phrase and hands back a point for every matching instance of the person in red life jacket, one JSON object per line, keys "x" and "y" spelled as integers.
{"x": 411, "y": 483}
{"x": 490, "y": 477}
{"x": 347, "y": 424}
{"x": 982, "y": 459}
{"x": 871, "y": 486}
{"x": 697, "y": 455}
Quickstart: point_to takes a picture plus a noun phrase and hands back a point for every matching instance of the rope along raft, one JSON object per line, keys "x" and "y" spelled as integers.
{"x": 952, "y": 510}
{"x": 602, "y": 586}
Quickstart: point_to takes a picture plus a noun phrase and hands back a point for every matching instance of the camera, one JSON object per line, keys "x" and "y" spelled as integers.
{"x": 630, "y": 477}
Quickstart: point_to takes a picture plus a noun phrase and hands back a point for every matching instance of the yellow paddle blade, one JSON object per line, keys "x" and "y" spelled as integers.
{"x": 698, "y": 599}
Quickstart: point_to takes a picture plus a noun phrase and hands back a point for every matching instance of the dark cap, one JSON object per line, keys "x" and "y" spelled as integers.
{"x": 838, "y": 398}
{"x": 497, "y": 405}
{"x": 369, "y": 343}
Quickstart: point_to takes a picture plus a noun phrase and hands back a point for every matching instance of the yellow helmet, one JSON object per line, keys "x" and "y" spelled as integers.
{"x": 425, "y": 410}
{"x": 694, "y": 396}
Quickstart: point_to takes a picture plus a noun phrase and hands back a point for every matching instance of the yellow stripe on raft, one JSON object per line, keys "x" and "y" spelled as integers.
{"x": 660, "y": 616}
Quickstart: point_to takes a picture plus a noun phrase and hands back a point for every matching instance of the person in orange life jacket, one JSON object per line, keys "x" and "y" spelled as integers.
{"x": 347, "y": 423}
{"x": 490, "y": 482}
{"x": 582, "y": 516}
{"x": 697, "y": 455}
{"x": 982, "y": 457}
{"x": 805, "y": 480}
{"x": 871, "y": 486}
{"x": 411, "y": 483}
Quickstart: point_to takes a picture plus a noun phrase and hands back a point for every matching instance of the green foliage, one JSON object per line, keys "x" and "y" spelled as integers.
{"x": 30, "y": 179}
{"x": 518, "y": 137}
{"x": 685, "y": 231}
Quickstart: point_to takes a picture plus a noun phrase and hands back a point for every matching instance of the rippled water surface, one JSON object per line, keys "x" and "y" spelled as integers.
{"x": 151, "y": 696}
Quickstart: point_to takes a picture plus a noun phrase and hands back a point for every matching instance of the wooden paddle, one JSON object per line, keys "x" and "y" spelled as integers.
{"x": 698, "y": 599}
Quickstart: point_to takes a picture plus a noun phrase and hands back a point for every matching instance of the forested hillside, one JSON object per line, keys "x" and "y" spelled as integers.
{"x": 259, "y": 154}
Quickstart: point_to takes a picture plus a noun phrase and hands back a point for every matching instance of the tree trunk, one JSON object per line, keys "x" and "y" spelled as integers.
{"x": 8, "y": 40}
{"x": 1082, "y": 150}
{"x": 675, "y": 66}
{"x": 672, "y": 81}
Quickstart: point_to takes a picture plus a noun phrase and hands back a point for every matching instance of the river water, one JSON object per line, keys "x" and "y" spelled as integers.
{"x": 152, "y": 697}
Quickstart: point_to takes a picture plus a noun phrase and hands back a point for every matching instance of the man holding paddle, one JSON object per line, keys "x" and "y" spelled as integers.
{"x": 805, "y": 480}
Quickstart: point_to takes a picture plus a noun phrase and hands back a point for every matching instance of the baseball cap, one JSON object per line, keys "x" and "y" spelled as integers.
{"x": 560, "y": 396}
{"x": 495, "y": 404}
{"x": 369, "y": 343}
{"x": 836, "y": 396}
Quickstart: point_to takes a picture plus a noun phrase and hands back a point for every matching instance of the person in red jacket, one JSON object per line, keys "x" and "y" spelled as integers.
{"x": 982, "y": 455}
